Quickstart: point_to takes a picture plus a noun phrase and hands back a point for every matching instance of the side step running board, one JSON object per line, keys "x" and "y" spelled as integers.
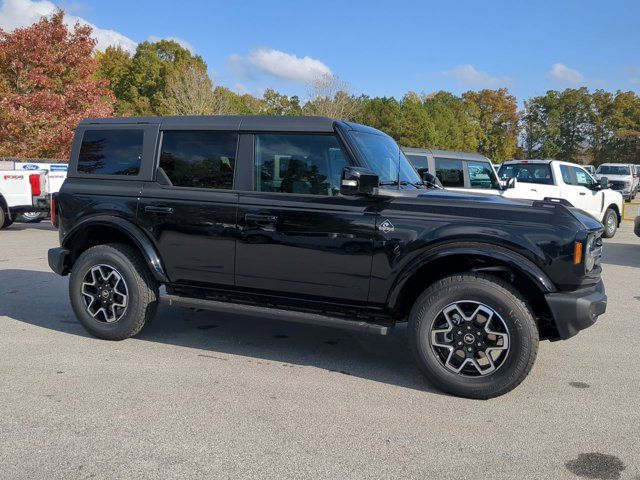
{"x": 276, "y": 314}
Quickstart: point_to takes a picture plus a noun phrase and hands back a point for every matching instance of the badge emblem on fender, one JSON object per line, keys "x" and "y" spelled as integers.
{"x": 386, "y": 227}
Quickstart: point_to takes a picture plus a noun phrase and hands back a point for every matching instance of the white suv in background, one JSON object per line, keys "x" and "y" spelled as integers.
{"x": 554, "y": 179}
{"x": 621, "y": 178}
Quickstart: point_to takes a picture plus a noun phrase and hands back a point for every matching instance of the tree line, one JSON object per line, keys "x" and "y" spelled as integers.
{"x": 51, "y": 77}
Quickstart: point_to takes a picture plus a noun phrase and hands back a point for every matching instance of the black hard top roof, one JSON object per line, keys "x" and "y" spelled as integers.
{"x": 446, "y": 153}
{"x": 226, "y": 122}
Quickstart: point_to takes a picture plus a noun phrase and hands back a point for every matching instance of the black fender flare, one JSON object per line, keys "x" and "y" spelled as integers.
{"x": 513, "y": 259}
{"x": 135, "y": 233}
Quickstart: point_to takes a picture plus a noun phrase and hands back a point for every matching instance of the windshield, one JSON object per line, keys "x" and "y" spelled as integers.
{"x": 613, "y": 170}
{"x": 527, "y": 172}
{"x": 383, "y": 156}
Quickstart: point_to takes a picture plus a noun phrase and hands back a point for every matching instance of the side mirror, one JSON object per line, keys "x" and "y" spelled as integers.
{"x": 604, "y": 182}
{"x": 508, "y": 182}
{"x": 358, "y": 181}
{"x": 429, "y": 178}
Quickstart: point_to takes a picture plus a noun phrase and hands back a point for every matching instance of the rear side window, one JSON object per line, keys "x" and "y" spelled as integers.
{"x": 449, "y": 172}
{"x": 111, "y": 152}
{"x": 528, "y": 172}
{"x": 199, "y": 159}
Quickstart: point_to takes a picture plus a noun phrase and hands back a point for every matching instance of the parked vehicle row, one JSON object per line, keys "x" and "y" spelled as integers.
{"x": 21, "y": 192}
{"x": 323, "y": 222}
{"x": 534, "y": 180}
{"x": 18, "y": 199}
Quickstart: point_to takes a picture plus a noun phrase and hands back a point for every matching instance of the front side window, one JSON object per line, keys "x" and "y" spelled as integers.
{"x": 449, "y": 172}
{"x": 481, "y": 175}
{"x": 111, "y": 152}
{"x": 583, "y": 178}
{"x": 383, "y": 156}
{"x": 418, "y": 161}
{"x": 304, "y": 164}
{"x": 199, "y": 159}
{"x": 528, "y": 172}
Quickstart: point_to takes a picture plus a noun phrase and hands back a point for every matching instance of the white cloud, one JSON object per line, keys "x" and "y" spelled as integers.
{"x": 183, "y": 43}
{"x": 564, "y": 74}
{"x": 469, "y": 75}
{"x": 21, "y": 13}
{"x": 282, "y": 65}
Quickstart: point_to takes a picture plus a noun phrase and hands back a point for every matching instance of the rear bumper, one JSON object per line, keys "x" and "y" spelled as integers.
{"x": 575, "y": 311}
{"x": 58, "y": 260}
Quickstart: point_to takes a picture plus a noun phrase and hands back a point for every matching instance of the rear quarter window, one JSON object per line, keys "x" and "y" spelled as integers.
{"x": 111, "y": 152}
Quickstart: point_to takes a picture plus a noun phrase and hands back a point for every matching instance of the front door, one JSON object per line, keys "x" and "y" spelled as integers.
{"x": 299, "y": 236}
{"x": 190, "y": 211}
{"x": 579, "y": 190}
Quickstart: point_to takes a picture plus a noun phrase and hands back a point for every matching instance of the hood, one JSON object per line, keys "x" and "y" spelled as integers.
{"x": 438, "y": 194}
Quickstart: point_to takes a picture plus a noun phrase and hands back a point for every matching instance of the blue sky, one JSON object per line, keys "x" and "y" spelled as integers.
{"x": 381, "y": 48}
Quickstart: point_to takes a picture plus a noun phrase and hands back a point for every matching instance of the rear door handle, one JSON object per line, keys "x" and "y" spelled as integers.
{"x": 259, "y": 218}
{"x": 161, "y": 209}
{"x": 582, "y": 193}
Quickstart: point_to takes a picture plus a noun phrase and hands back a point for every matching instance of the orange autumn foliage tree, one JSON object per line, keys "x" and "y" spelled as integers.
{"x": 47, "y": 85}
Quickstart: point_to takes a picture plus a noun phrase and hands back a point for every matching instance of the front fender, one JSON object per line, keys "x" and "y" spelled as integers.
{"x": 137, "y": 235}
{"x": 513, "y": 259}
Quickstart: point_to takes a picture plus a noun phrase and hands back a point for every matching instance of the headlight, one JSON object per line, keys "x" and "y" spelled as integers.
{"x": 593, "y": 252}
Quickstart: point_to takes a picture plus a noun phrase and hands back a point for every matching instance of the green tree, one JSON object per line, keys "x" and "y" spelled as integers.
{"x": 495, "y": 112}
{"x": 453, "y": 128}
{"x": 115, "y": 65}
{"x": 274, "y": 103}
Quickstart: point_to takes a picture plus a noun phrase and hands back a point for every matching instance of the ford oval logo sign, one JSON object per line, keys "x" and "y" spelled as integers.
{"x": 30, "y": 166}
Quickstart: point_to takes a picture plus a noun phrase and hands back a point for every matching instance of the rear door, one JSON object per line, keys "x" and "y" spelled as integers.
{"x": 299, "y": 236}
{"x": 190, "y": 209}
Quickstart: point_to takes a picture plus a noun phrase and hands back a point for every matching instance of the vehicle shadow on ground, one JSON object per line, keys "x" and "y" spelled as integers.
{"x": 623, "y": 254}
{"x": 41, "y": 299}
{"x": 18, "y": 227}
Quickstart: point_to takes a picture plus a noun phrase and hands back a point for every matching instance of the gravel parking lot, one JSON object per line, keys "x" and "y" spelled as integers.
{"x": 206, "y": 395}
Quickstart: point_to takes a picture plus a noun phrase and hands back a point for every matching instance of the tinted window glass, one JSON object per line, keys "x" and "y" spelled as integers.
{"x": 481, "y": 175}
{"x": 111, "y": 152}
{"x": 565, "y": 171}
{"x": 383, "y": 156}
{"x": 199, "y": 159}
{"x": 449, "y": 172}
{"x": 613, "y": 170}
{"x": 288, "y": 163}
{"x": 418, "y": 161}
{"x": 528, "y": 172}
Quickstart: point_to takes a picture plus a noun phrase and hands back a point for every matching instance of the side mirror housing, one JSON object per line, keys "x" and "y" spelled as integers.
{"x": 604, "y": 182}
{"x": 508, "y": 182}
{"x": 429, "y": 178}
{"x": 358, "y": 181}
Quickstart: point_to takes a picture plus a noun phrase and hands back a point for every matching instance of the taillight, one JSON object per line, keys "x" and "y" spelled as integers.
{"x": 54, "y": 211}
{"x": 34, "y": 180}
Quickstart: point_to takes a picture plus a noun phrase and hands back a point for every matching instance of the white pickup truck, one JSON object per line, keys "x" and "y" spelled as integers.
{"x": 22, "y": 191}
{"x": 564, "y": 181}
{"x": 622, "y": 177}
{"x": 57, "y": 176}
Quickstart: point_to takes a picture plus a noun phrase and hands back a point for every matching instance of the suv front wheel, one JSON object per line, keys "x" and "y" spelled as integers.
{"x": 112, "y": 292}
{"x": 473, "y": 335}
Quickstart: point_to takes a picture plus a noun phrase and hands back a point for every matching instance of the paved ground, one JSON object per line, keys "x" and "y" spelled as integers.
{"x": 205, "y": 395}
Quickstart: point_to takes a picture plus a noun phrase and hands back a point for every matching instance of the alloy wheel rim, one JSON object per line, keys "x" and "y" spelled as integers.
{"x": 105, "y": 293}
{"x": 611, "y": 223}
{"x": 470, "y": 338}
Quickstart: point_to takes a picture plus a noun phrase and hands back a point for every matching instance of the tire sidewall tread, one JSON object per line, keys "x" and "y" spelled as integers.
{"x": 524, "y": 336}
{"x": 141, "y": 285}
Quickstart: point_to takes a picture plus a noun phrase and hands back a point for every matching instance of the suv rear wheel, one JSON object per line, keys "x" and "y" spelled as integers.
{"x": 473, "y": 336}
{"x": 112, "y": 291}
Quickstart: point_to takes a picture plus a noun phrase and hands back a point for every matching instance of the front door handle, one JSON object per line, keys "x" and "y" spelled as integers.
{"x": 161, "y": 209}
{"x": 259, "y": 218}
{"x": 582, "y": 193}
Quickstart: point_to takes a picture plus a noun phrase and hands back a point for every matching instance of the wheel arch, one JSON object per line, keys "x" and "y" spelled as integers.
{"x": 451, "y": 259}
{"x": 108, "y": 229}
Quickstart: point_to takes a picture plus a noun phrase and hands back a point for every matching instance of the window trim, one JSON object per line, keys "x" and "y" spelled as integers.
{"x": 158, "y": 154}
{"x": 252, "y": 160}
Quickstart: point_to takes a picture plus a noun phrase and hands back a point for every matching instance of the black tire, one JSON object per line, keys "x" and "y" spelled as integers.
{"x": 610, "y": 222}
{"x": 5, "y": 219}
{"x": 506, "y": 302}
{"x": 141, "y": 287}
{"x": 30, "y": 217}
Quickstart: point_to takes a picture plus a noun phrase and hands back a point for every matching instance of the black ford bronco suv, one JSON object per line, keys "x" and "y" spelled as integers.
{"x": 318, "y": 221}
